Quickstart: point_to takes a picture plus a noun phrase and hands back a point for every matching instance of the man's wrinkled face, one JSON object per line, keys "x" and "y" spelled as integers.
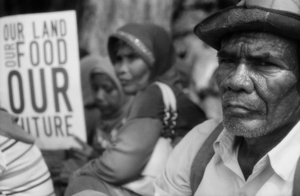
{"x": 258, "y": 77}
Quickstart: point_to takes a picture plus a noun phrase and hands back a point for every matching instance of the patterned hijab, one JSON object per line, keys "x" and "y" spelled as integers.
{"x": 153, "y": 44}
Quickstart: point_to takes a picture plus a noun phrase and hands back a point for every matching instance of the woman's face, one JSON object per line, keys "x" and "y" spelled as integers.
{"x": 106, "y": 94}
{"x": 131, "y": 70}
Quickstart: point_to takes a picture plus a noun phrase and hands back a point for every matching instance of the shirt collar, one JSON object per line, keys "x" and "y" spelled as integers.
{"x": 2, "y": 162}
{"x": 223, "y": 146}
{"x": 283, "y": 157}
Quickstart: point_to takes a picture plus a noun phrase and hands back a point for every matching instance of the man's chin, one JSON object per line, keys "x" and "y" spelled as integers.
{"x": 245, "y": 128}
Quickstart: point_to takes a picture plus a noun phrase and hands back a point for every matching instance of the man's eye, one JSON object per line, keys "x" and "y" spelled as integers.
{"x": 226, "y": 61}
{"x": 264, "y": 64}
{"x": 267, "y": 64}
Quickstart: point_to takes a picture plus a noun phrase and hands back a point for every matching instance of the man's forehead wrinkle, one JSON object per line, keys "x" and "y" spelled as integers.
{"x": 242, "y": 48}
{"x": 228, "y": 51}
{"x": 255, "y": 45}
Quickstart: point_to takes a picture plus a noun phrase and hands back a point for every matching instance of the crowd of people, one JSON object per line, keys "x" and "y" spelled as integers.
{"x": 145, "y": 136}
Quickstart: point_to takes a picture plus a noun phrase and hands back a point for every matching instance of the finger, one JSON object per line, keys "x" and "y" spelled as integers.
{"x": 87, "y": 152}
{"x": 75, "y": 153}
{"x": 82, "y": 143}
{"x": 79, "y": 157}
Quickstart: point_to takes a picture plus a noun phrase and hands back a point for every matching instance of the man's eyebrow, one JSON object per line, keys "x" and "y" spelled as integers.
{"x": 260, "y": 56}
{"x": 224, "y": 53}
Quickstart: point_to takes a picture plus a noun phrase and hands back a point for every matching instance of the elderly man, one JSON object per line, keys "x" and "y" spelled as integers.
{"x": 258, "y": 148}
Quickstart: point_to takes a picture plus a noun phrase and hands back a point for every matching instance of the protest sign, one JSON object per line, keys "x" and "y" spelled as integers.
{"x": 40, "y": 76}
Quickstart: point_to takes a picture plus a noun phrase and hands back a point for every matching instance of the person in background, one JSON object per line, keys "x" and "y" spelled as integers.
{"x": 255, "y": 150}
{"x": 105, "y": 106}
{"x": 102, "y": 91}
{"x": 142, "y": 54}
{"x": 210, "y": 99}
{"x": 55, "y": 159}
{"x": 22, "y": 167}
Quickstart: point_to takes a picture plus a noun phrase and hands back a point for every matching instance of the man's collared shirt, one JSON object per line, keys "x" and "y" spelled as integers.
{"x": 272, "y": 175}
{"x": 2, "y": 162}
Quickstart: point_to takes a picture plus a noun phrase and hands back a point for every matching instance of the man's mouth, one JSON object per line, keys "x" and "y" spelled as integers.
{"x": 240, "y": 105}
{"x": 237, "y": 108}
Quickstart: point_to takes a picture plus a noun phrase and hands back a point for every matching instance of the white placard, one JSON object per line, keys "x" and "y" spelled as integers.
{"x": 40, "y": 76}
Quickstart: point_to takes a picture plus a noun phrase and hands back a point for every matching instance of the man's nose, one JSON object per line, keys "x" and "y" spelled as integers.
{"x": 239, "y": 79}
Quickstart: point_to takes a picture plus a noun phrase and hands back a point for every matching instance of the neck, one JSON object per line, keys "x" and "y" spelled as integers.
{"x": 262, "y": 145}
{"x": 253, "y": 149}
{"x": 111, "y": 115}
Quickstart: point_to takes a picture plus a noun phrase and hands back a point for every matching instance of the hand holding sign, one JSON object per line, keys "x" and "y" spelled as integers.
{"x": 83, "y": 154}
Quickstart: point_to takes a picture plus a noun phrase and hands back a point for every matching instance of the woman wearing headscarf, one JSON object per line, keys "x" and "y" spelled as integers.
{"x": 104, "y": 100}
{"x": 142, "y": 54}
{"x": 105, "y": 105}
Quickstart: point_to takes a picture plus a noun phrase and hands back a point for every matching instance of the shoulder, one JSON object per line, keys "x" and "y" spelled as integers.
{"x": 189, "y": 115}
{"x": 152, "y": 92}
{"x": 175, "y": 180}
{"x": 185, "y": 104}
{"x": 25, "y": 160}
{"x": 147, "y": 103}
{"x": 193, "y": 141}
{"x": 188, "y": 107}
{"x": 182, "y": 156}
{"x": 10, "y": 129}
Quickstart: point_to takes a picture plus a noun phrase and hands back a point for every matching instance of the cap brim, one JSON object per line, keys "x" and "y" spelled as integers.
{"x": 239, "y": 18}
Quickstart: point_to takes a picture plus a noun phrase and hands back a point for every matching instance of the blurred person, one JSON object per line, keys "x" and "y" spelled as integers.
{"x": 198, "y": 64}
{"x": 210, "y": 98}
{"x": 22, "y": 167}
{"x": 142, "y": 54}
{"x": 102, "y": 91}
{"x": 105, "y": 106}
{"x": 255, "y": 150}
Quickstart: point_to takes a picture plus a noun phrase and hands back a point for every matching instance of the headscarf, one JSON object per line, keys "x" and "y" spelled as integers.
{"x": 153, "y": 44}
{"x": 93, "y": 64}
